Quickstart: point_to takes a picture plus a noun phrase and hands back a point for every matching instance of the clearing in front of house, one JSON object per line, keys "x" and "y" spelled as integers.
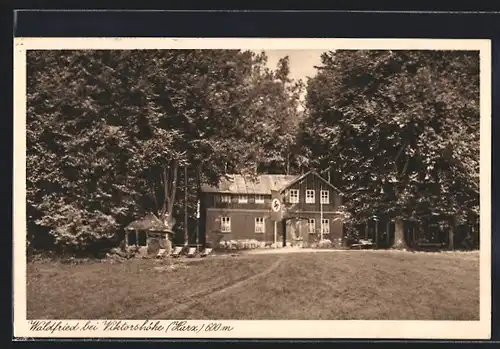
{"x": 358, "y": 285}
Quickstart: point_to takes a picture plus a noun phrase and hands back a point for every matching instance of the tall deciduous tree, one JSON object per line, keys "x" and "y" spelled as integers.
{"x": 277, "y": 116}
{"x": 110, "y": 130}
{"x": 399, "y": 131}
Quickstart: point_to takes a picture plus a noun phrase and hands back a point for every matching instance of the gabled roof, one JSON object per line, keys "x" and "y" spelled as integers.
{"x": 148, "y": 223}
{"x": 239, "y": 184}
{"x": 263, "y": 184}
{"x": 314, "y": 173}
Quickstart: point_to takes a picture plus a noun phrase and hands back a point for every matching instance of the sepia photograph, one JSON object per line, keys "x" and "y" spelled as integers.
{"x": 179, "y": 186}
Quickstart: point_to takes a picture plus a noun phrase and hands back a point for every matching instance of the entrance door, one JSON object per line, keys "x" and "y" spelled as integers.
{"x": 294, "y": 233}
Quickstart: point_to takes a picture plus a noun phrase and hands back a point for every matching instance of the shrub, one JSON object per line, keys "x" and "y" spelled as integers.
{"x": 241, "y": 244}
{"x": 77, "y": 229}
{"x": 214, "y": 239}
{"x": 326, "y": 243}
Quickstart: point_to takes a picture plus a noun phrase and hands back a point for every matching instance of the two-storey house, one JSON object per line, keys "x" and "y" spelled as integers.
{"x": 240, "y": 208}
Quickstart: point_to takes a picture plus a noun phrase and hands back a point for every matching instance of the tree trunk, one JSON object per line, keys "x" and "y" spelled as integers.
{"x": 451, "y": 234}
{"x": 399, "y": 236}
{"x": 173, "y": 190}
{"x": 283, "y": 225}
{"x": 169, "y": 190}
{"x": 198, "y": 216}
{"x": 186, "y": 237}
{"x": 168, "y": 245}
{"x": 287, "y": 163}
{"x": 388, "y": 232}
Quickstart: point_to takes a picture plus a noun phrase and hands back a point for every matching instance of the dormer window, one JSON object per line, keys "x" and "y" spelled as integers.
{"x": 259, "y": 199}
{"x": 242, "y": 199}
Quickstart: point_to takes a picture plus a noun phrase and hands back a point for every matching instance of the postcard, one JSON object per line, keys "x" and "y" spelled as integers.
{"x": 252, "y": 188}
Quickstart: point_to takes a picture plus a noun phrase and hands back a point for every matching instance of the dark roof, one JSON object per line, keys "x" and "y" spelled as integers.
{"x": 239, "y": 184}
{"x": 314, "y": 173}
{"x": 148, "y": 223}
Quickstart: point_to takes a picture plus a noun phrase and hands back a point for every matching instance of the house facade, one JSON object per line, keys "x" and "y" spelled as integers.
{"x": 239, "y": 208}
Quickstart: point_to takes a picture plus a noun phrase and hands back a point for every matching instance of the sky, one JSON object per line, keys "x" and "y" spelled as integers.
{"x": 302, "y": 62}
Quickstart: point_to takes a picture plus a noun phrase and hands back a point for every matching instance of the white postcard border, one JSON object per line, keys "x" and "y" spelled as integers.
{"x": 259, "y": 328}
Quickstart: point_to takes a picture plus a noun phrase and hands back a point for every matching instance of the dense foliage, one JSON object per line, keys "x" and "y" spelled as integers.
{"x": 114, "y": 134}
{"x": 399, "y": 131}
{"x": 110, "y": 132}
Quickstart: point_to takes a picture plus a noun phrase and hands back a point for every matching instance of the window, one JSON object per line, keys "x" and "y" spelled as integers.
{"x": 225, "y": 198}
{"x": 325, "y": 226}
{"x": 259, "y": 225}
{"x": 242, "y": 199}
{"x": 259, "y": 199}
{"x": 311, "y": 226}
{"x": 294, "y": 196}
{"x": 325, "y": 197}
{"x": 309, "y": 196}
{"x": 225, "y": 224}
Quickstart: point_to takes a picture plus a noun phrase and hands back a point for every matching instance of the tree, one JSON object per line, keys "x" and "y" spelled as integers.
{"x": 275, "y": 110}
{"x": 77, "y": 155}
{"x": 399, "y": 131}
{"x": 108, "y": 131}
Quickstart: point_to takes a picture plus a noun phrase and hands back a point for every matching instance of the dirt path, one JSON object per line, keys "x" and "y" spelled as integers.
{"x": 193, "y": 298}
{"x": 291, "y": 250}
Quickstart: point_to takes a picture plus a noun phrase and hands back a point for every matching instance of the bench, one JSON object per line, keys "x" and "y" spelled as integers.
{"x": 431, "y": 245}
{"x": 191, "y": 252}
{"x": 206, "y": 252}
{"x": 177, "y": 251}
{"x": 363, "y": 244}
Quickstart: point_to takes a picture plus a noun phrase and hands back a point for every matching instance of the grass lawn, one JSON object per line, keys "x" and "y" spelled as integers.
{"x": 358, "y": 285}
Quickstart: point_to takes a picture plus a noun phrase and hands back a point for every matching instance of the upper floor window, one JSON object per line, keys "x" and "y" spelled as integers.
{"x": 259, "y": 225}
{"x": 225, "y": 224}
{"x": 242, "y": 199}
{"x": 225, "y": 198}
{"x": 259, "y": 199}
{"x": 294, "y": 196}
{"x": 325, "y": 197}
{"x": 310, "y": 196}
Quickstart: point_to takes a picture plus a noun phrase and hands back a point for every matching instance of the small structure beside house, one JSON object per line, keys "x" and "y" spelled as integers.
{"x": 239, "y": 208}
{"x": 150, "y": 233}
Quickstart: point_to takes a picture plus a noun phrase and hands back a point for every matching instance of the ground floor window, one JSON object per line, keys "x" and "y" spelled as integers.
{"x": 325, "y": 226}
{"x": 311, "y": 226}
{"x": 225, "y": 224}
{"x": 259, "y": 225}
